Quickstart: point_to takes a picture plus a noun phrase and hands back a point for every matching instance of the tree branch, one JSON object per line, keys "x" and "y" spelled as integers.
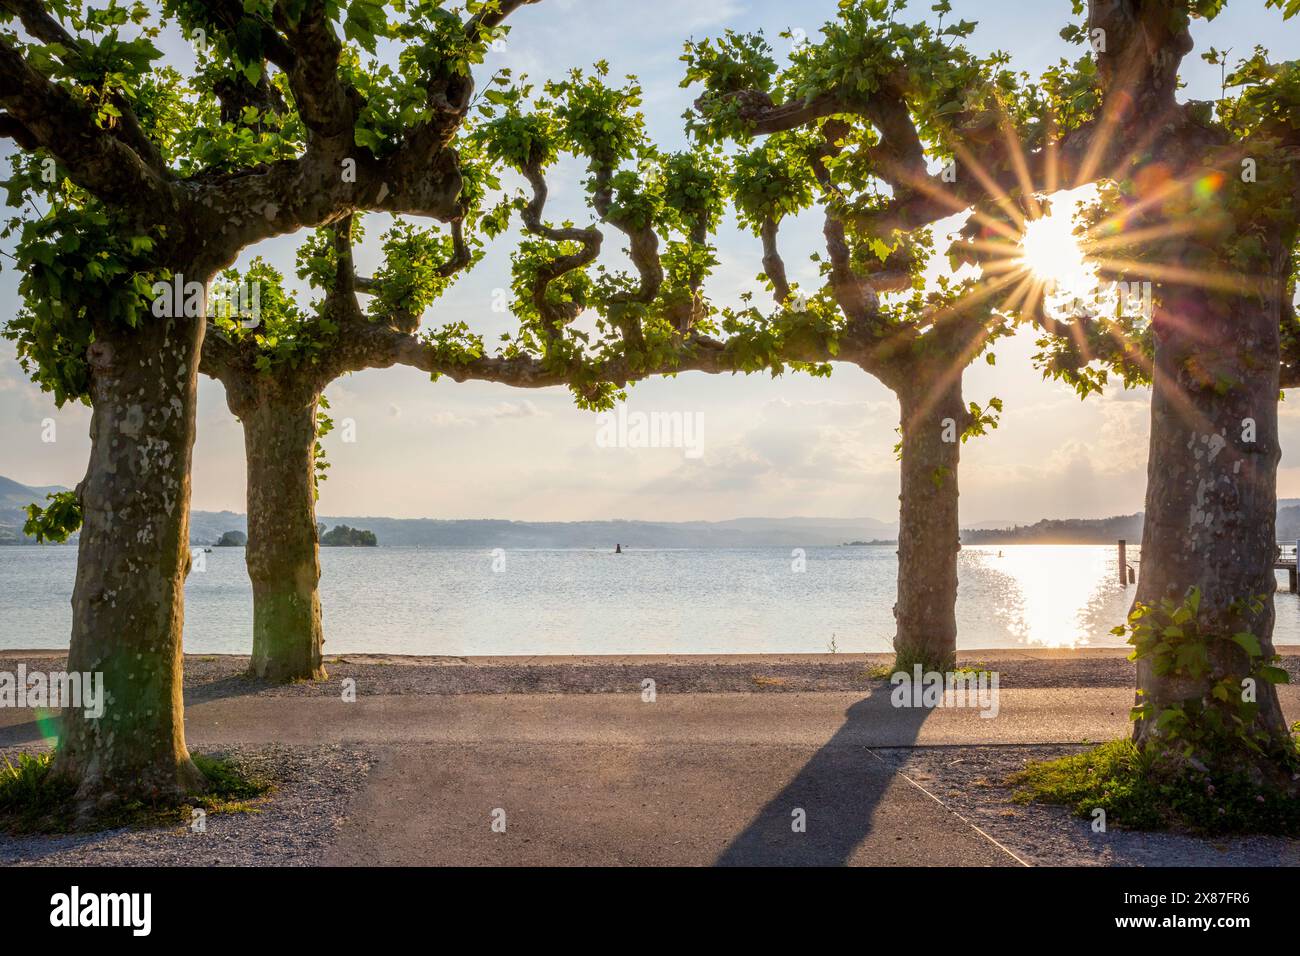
{"x": 95, "y": 159}
{"x": 555, "y": 315}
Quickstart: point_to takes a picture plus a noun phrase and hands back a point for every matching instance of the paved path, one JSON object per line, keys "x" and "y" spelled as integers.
{"x": 608, "y": 779}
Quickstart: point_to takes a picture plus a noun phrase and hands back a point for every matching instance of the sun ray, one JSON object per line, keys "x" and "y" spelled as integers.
{"x": 1179, "y": 274}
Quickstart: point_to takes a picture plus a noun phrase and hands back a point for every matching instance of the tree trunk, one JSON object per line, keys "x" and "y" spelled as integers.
{"x": 283, "y": 550}
{"x": 933, "y": 417}
{"x": 134, "y": 554}
{"x": 1212, "y": 483}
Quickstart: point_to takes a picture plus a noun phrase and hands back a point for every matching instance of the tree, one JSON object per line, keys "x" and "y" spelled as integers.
{"x": 154, "y": 182}
{"x": 855, "y": 121}
{"x": 282, "y": 128}
{"x": 1204, "y": 206}
{"x": 277, "y": 366}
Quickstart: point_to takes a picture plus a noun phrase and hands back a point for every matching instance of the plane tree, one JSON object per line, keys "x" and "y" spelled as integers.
{"x": 1203, "y": 205}
{"x": 275, "y": 357}
{"x": 125, "y": 192}
{"x": 1201, "y": 200}
{"x": 888, "y": 127}
{"x": 276, "y": 367}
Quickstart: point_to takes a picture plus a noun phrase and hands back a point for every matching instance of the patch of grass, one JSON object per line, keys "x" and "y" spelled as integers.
{"x": 906, "y": 662}
{"x": 1122, "y": 780}
{"x": 31, "y": 801}
{"x": 906, "y": 666}
{"x": 27, "y": 798}
{"x": 760, "y": 680}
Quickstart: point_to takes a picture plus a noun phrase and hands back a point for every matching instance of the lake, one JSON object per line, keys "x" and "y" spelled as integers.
{"x": 707, "y": 601}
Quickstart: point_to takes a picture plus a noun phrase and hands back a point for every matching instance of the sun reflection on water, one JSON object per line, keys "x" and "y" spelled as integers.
{"x": 1053, "y": 595}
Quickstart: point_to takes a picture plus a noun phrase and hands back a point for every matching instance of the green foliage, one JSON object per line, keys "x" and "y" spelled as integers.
{"x": 634, "y": 188}
{"x": 773, "y": 180}
{"x": 734, "y": 62}
{"x": 33, "y": 800}
{"x": 572, "y": 289}
{"x": 512, "y": 133}
{"x": 596, "y": 120}
{"x": 203, "y": 142}
{"x": 867, "y": 55}
{"x": 103, "y": 67}
{"x": 28, "y": 797}
{"x": 1213, "y": 728}
{"x": 906, "y": 661}
{"x": 982, "y": 420}
{"x": 80, "y": 267}
{"x": 864, "y": 49}
{"x": 320, "y": 463}
{"x": 412, "y": 275}
{"x": 454, "y": 343}
{"x": 283, "y": 335}
{"x": 57, "y": 520}
{"x": 694, "y": 189}
{"x": 1124, "y": 781}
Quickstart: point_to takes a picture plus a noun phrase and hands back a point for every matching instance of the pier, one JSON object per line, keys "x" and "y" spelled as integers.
{"x": 1285, "y": 561}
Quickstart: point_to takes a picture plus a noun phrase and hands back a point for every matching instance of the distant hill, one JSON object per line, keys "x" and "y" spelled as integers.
{"x": 207, "y": 527}
{"x": 1288, "y": 522}
{"x": 1061, "y": 531}
{"x": 1106, "y": 530}
{"x": 736, "y": 533}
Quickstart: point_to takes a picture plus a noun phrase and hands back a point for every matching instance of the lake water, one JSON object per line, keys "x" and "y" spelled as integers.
{"x": 427, "y": 601}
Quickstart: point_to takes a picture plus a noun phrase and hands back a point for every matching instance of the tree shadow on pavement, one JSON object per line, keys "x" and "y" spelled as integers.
{"x": 839, "y": 789}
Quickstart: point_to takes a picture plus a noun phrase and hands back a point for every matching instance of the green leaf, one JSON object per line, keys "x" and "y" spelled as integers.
{"x": 1274, "y": 675}
{"x": 1248, "y": 642}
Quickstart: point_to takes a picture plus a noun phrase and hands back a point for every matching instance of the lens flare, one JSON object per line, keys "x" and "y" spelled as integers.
{"x": 1051, "y": 253}
{"x": 1050, "y": 250}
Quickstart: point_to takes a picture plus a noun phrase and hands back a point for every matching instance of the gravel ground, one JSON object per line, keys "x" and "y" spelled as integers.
{"x": 971, "y": 782}
{"x": 294, "y": 824}
{"x": 211, "y": 677}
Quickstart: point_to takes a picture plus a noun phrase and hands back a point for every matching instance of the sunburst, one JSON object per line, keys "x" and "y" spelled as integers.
{"x": 1051, "y": 252}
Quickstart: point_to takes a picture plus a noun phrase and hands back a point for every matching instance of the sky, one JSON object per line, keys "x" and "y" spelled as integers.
{"x": 788, "y": 446}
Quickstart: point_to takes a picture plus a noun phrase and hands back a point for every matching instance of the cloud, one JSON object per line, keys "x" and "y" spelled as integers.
{"x": 521, "y": 409}
{"x": 446, "y": 419}
{"x": 794, "y": 450}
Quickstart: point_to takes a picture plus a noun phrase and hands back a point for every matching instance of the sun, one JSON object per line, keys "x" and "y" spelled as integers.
{"x": 1050, "y": 252}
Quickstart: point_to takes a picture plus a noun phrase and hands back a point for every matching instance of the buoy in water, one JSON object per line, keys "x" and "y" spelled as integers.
{"x": 618, "y": 549}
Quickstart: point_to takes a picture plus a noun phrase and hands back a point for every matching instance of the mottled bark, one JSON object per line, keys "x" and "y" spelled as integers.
{"x": 933, "y": 417}
{"x": 283, "y": 552}
{"x": 1212, "y": 480}
{"x": 128, "y": 600}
